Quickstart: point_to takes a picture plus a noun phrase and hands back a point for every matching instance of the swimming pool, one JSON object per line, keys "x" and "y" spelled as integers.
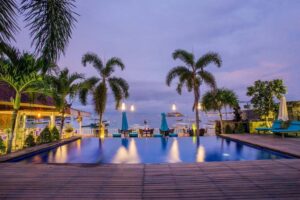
{"x": 151, "y": 150}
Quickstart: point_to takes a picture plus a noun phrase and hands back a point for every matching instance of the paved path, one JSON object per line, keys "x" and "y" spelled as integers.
{"x": 266, "y": 179}
{"x": 289, "y": 146}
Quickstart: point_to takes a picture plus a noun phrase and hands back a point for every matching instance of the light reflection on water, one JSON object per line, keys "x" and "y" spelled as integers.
{"x": 150, "y": 150}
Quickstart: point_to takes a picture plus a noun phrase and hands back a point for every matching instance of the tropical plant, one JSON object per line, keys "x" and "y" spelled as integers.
{"x": 218, "y": 99}
{"x": 262, "y": 95}
{"x": 45, "y": 136}
{"x": 54, "y": 134}
{"x": 8, "y": 22}
{"x": 64, "y": 88}
{"x": 20, "y": 71}
{"x": 2, "y": 146}
{"x": 29, "y": 141}
{"x": 99, "y": 87}
{"x": 51, "y": 23}
{"x": 193, "y": 74}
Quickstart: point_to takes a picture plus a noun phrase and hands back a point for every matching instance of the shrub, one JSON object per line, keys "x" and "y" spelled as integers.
{"x": 55, "y": 134}
{"x": 45, "y": 136}
{"x": 240, "y": 128}
{"x": 69, "y": 128}
{"x": 2, "y": 146}
{"x": 228, "y": 129}
{"x": 29, "y": 141}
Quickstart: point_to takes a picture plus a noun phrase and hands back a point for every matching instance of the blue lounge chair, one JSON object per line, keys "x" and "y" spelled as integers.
{"x": 276, "y": 125}
{"x": 173, "y": 135}
{"x": 116, "y": 135}
{"x": 294, "y": 127}
{"x": 133, "y": 134}
{"x": 157, "y": 135}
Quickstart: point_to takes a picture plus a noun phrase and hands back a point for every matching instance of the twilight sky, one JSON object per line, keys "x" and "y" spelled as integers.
{"x": 257, "y": 39}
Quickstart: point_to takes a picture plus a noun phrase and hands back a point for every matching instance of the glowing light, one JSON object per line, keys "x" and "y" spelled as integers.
{"x": 39, "y": 115}
{"x": 127, "y": 156}
{"x": 199, "y": 107}
{"x": 174, "y": 156}
{"x": 123, "y": 107}
{"x": 132, "y": 108}
{"x": 173, "y": 107}
{"x": 200, "y": 154}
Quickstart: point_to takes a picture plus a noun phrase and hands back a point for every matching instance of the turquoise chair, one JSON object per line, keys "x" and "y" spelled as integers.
{"x": 294, "y": 127}
{"x": 157, "y": 135}
{"x": 116, "y": 135}
{"x": 133, "y": 134}
{"x": 173, "y": 135}
{"x": 276, "y": 125}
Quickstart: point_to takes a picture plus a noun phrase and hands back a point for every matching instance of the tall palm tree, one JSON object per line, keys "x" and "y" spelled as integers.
{"x": 193, "y": 74}
{"x": 64, "y": 88}
{"x": 20, "y": 71}
{"x": 217, "y": 99}
{"x": 99, "y": 88}
{"x": 8, "y": 22}
{"x": 51, "y": 23}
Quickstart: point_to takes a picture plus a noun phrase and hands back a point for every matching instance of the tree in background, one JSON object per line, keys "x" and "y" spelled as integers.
{"x": 262, "y": 95}
{"x": 64, "y": 88}
{"x": 8, "y": 21}
{"x": 99, "y": 87}
{"x": 218, "y": 99}
{"x": 50, "y": 23}
{"x": 21, "y": 72}
{"x": 192, "y": 75}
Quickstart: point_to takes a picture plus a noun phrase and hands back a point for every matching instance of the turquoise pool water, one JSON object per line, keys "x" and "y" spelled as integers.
{"x": 151, "y": 150}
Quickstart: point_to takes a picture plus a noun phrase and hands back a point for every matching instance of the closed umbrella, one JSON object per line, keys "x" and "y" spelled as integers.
{"x": 164, "y": 124}
{"x": 124, "y": 122}
{"x": 283, "y": 112}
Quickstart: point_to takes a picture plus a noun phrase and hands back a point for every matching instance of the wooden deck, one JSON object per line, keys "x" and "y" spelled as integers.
{"x": 268, "y": 179}
{"x": 289, "y": 146}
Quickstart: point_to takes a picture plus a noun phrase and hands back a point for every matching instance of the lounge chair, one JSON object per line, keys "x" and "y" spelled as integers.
{"x": 294, "y": 127}
{"x": 116, "y": 135}
{"x": 157, "y": 135}
{"x": 133, "y": 134}
{"x": 276, "y": 125}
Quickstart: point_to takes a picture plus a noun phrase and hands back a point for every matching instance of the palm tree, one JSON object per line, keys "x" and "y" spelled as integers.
{"x": 51, "y": 23}
{"x": 99, "y": 88}
{"x": 64, "y": 88}
{"x": 193, "y": 74}
{"x": 217, "y": 99}
{"x": 20, "y": 71}
{"x": 8, "y": 22}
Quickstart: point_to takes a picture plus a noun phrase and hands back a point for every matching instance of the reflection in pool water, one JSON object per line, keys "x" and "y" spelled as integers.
{"x": 150, "y": 150}
{"x": 129, "y": 155}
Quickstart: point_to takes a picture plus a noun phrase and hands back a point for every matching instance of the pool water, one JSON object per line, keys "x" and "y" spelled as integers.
{"x": 151, "y": 150}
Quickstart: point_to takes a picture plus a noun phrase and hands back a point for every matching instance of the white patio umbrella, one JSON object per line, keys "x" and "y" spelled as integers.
{"x": 283, "y": 113}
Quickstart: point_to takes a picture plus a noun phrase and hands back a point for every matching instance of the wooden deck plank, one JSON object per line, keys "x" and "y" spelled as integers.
{"x": 266, "y": 179}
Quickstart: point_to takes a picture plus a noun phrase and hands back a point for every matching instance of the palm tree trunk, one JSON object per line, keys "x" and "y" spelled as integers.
{"x": 221, "y": 122}
{"x": 196, "y": 93}
{"x": 62, "y": 122}
{"x": 12, "y": 132}
{"x": 100, "y": 124}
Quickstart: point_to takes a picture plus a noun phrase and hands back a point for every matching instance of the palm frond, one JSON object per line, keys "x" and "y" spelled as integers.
{"x": 111, "y": 64}
{"x": 93, "y": 59}
{"x": 10, "y": 52}
{"x": 207, "y": 59}
{"x": 176, "y": 72}
{"x": 51, "y": 23}
{"x": 122, "y": 84}
{"x": 184, "y": 56}
{"x": 208, "y": 78}
{"x": 8, "y": 22}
